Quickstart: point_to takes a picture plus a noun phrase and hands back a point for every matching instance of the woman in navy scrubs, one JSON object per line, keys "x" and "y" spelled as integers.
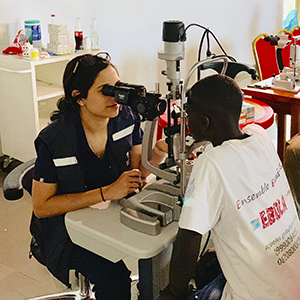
{"x": 89, "y": 153}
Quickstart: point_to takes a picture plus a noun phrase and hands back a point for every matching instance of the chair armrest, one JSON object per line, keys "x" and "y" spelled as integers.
{"x": 12, "y": 185}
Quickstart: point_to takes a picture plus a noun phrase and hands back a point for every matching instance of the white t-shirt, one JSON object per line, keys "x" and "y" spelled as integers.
{"x": 239, "y": 191}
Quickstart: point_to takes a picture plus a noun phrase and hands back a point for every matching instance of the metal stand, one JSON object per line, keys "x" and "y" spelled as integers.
{"x": 84, "y": 292}
{"x": 154, "y": 274}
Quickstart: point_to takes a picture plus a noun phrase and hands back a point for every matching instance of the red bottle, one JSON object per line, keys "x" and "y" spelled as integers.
{"x": 78, "y": 33}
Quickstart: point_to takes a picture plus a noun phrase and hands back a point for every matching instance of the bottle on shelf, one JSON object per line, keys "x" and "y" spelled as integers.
{"x": 78, "y": 33}
{"x": 52, "y": 19}
{"x": 94, "y": 35}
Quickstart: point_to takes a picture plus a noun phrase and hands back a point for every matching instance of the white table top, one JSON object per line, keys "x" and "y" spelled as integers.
{"x": 101, "y": 232}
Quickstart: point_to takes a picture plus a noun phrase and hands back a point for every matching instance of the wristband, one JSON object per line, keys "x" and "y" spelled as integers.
{"x": 102, "y": 194}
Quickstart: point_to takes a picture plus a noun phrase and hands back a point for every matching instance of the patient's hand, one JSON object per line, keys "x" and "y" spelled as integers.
{"x": 161, "y": 147}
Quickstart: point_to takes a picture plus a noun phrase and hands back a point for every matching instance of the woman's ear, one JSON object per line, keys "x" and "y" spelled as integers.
{"x": 76, "y": 94}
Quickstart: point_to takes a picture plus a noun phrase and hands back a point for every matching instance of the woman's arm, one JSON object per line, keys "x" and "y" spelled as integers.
{"x": 47, "y": 204}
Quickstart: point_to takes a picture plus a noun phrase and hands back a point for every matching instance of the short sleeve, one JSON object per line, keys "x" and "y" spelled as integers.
{"x": 203, "y": 198}
{"x": 137, "y": 134}
{"x": 44, "y": 169}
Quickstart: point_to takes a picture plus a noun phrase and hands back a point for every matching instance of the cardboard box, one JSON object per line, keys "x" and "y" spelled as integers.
{"x": 60, "y": 49}
{"x": 243, "y": 118}
{"x": 57, "y": 29}
{"x": 249, "y": 110}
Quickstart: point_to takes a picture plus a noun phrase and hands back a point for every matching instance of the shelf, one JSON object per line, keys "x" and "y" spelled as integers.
{"x": 31, "y": 105}
{"x": 63, "y": 57}
{"x": 43, "y": 122}
{"x": 48, "y": 90}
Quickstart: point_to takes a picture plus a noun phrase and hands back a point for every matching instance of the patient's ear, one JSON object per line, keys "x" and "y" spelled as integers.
{"x": 205, "y": 122}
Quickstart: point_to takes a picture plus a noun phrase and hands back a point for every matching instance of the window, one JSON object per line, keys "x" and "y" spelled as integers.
{"x": 288, "y": 5}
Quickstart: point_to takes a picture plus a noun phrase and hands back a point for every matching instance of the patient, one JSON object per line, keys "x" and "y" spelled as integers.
{"x": 292, "y": 167}
{"x": 237, "y": 190}
{"x": 89, "y": 153}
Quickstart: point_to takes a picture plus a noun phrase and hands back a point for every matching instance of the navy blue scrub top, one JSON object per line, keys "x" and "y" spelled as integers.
{"x": 98, "y": 171}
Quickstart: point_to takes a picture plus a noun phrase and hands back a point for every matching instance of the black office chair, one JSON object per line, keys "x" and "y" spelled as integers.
{"x": 18, "y": 180}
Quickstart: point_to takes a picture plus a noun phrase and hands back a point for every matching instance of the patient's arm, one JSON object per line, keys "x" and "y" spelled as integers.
{"x": 183, "y": 264}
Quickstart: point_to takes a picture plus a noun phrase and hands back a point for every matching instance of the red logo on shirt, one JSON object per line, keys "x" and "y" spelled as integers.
{"x": 273, "y": 213}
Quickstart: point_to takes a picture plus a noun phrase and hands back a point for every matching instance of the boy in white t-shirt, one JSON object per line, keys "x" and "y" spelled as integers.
{"x": 237, "y": 190}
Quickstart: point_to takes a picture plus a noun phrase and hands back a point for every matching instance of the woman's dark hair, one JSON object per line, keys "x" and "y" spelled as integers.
{"x": 80, "y": 74}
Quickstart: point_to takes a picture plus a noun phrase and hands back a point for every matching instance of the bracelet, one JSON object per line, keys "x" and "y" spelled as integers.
{"x": 102, "y": 194}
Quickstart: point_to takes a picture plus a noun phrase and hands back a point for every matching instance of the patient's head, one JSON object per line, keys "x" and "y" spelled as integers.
{"x": 80, "y": 74}
{"x": 214, "y": 105}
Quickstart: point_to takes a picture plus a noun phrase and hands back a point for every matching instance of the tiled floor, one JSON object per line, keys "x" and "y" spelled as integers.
{"x": 20, "y": 277}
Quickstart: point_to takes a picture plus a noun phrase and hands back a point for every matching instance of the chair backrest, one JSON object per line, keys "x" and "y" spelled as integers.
{"x": 296, "y": 30}
{"x": 265, "y": 57}
{"x": 284, "y": 31}
{"x": 18, "y": 180}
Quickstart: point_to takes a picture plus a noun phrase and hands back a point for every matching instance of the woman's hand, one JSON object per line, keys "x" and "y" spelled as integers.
{"x": 127, "y": 183}
{"x": 47, "y": 204}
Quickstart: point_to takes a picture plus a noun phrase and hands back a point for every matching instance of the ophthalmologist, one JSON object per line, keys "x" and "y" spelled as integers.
{"x": 89, "y": 153}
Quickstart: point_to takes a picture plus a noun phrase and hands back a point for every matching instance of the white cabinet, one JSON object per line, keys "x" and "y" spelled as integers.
{"x": 29, "y": 91}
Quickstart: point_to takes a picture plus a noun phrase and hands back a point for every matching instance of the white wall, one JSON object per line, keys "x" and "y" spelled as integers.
{"x": 130, "y": 30}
